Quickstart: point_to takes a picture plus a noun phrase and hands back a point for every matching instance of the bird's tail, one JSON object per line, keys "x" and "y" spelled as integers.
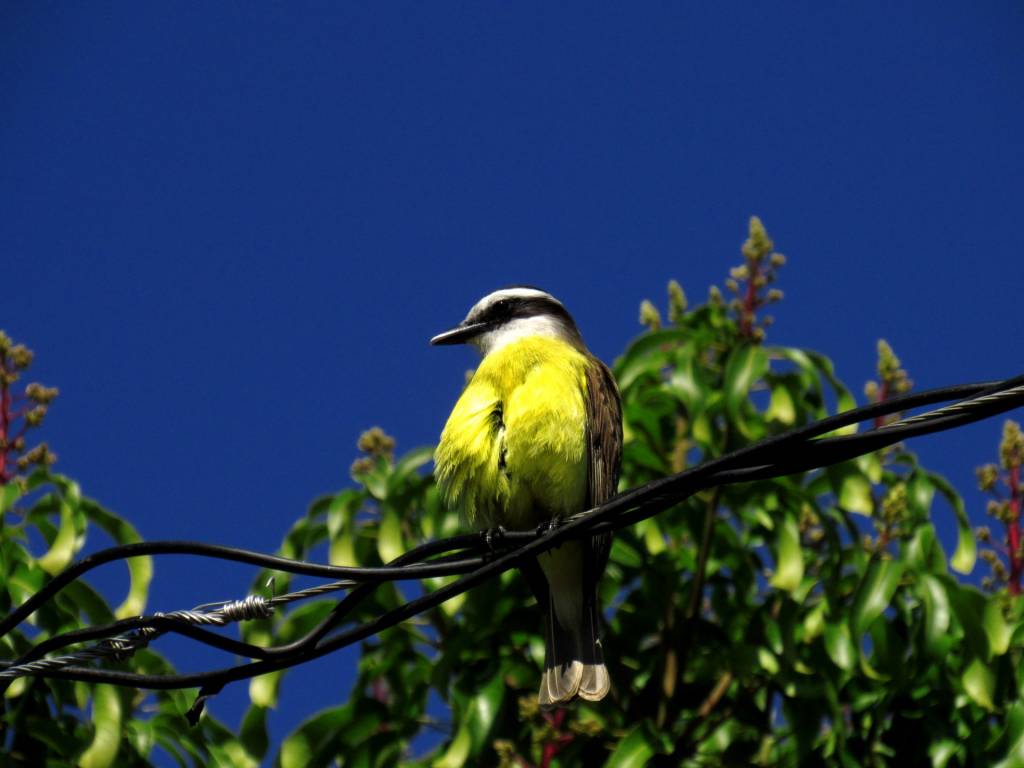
{"x": 573, "y": 661}
{"x": 573, "y": 665}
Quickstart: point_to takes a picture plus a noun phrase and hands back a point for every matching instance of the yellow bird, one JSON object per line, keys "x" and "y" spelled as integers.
{"x": 537, "y": 436}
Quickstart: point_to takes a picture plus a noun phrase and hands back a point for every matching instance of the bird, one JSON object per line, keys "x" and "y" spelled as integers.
{"x": 536, "y": 436}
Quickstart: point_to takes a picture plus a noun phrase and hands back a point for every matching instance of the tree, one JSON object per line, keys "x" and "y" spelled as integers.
{"x": 44, "y": 522}
{"x": 806, "y": 620}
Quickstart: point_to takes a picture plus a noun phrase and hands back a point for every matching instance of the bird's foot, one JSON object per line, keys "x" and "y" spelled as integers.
{"x": 493, "y": 538}
{"x": 549, "y": 525}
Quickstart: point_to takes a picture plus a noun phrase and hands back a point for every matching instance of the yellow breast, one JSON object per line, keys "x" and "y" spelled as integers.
{"x": 513, "y": 451}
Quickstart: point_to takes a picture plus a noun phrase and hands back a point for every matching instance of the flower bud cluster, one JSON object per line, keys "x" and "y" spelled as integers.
{"x": 988, "y": 475}
{"x": 650, "y": 316}
{"x": 40, "y": 456}
{"x": 749, "y": 281}
{"x": 22, "y": 411}
{"x": 895, "y": 505}
{"x": 1011, "y": 449}
{"x": 1003, "y": 484}
{"x": 892, "y": 380}
{"x": 376, "y": 444}
{"x": 677, "y": 303}
{"x": 889, "y": 370}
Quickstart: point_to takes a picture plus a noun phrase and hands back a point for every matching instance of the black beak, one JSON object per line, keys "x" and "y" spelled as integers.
{"x": 460, "y": 334}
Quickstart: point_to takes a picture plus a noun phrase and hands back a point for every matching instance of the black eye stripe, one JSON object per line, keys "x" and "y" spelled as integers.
{"x": 498, "y": 312}
{"x": 539, "y": 305}
{"x": 515, "y": 307}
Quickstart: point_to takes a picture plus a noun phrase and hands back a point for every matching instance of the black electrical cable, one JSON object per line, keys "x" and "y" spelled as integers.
{"x": 472, "y": 541}
{"x": 745, "y": 464}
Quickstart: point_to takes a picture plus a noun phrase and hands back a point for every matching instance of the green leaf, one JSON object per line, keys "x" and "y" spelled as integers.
{"x": 169, "y": 739}
{"x": 87, "y": 601}
{"x": 303, "y": 745}
{"x": 302, "y": 619}
{"x": 26, "y": 579}
{"x": 654, "y": 539}
{"x": 389, "y": 535}
{"x": 840, "y": 647}
{"x": 969, "y": 606}
{"x": 746, "y": 364}
{"x": 634, "y": 750}
{"x": 263, "y": 689}
{"x": 9, "y": 495}
{"x": 767, "y": 660}
{"x": 789, "y": 564}
{"x": 937, "y": 613}
{"x": 47, "y": 731}
{"x": 703, "y": 430}
{"x": 231, "y": 753}
{"x": 452, "y": 605}
{"x": 63, "y": 548}
{"x": 852, "y": 488}
{"x": 106, "y": 719}
{"x": 814, "y": 622}
{"x": 686, "y": 380}
{"x": 458, "y": 751}
{"x": 413, "y": 460}
{"x": 942, "y": 751}
{"x": 253, "y": 733}
{"x": 844, "y": 399}
{"x": 483, "y": 709}
{"x": 648, "y": 354}
{"x": 16, "y": 688}
{"x": 141, "y": 735}
{"x": 966, "y": 547}
{"x": 921, "y": 491}
{"x": 871, "y": 466}
{"x": 1014, "y": 737}
{"x": 375, "y": 479}
{"x": 224, "y": 746}
{"x": 341, "y": 523}
{"x": 923, "y": 551}
{"x": 625, "y": 554}
{"x": 782, "y": 407}
{"x": 996, "y": 626}
{"x": 979, "y": 683}
{"x": 140, "y": 569}
{"x": 874, "y": 594}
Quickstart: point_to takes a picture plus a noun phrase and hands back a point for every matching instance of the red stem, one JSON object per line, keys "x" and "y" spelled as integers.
{"x": 560, "y": 741}
{"x": 883, "y": 395}
{"x": 5, "y": 418}
{"x": 1013, "y": 531}
{"x": 749, "y": 303}
{"x": 12, "y": 416}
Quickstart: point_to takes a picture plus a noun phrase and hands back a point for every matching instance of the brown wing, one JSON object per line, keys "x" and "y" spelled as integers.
{"x": 604, "y": 433}
{"x": 604, "y": 448}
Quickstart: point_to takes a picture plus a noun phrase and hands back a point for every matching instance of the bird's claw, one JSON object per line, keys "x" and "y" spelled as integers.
{"x": 548, "y": 526}
{"x": 493, "y": 537}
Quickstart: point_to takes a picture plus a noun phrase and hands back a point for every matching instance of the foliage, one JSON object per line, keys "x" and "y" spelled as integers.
{"x": 44, "y": 524}
{"x": 808, "y": 620}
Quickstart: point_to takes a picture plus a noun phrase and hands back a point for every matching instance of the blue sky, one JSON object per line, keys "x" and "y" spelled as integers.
{"x": 228, "y": 230}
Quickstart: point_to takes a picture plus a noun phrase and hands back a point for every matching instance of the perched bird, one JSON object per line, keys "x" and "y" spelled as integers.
{"x": 537, "y": 436}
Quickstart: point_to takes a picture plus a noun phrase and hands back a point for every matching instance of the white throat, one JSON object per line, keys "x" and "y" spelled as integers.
{"x": 521, "y": 328}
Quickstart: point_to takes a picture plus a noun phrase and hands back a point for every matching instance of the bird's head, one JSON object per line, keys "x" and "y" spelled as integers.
{"x": 510, "y": 314}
